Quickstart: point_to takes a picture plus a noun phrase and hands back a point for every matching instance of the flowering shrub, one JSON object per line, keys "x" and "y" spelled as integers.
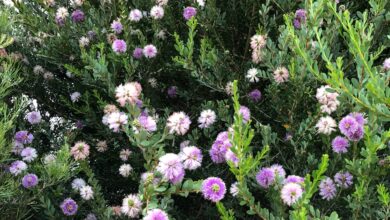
{"x": 194, "y": 109}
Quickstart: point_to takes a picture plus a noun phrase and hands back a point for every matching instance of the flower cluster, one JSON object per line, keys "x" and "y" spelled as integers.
{"x": 327, "y": 99}
{"x": 257, "y": 44}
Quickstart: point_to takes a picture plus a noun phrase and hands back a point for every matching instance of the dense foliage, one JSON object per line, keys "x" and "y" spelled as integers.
{"x": 195, "y": 109}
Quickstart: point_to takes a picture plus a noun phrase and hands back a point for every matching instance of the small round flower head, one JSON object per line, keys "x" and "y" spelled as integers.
{"x": 116, "y": 119}
{"x": 69, "y": 207}
{"x": 327, "y": 189}
{"x": 76, "y": 3}
{"x": 343, "y": 179}
{"x": 74, "y": 97}
{"x": 255, "y": 95}
{"x": 49, "y": 158}
{"x": 157, "y": 12}
{"x": 386, "y": 64}
{"x": 29, "y": 154}
{"x": 24, "y": 137}
{"x": 30, "y": 180}
{"x": 178, "y": 123}
{"x": 246, "y": 113}
{"x": 281, "y": 75}
{"x": 328, "y": 100}
{"x": 17, "y": 167}
{"x": 291, "y": 193}
{"x": 80, "y": 150}
{"x": 207, "y": 118}
{"x": 156, "y": 214}
{"x": 17, "y": 148}
{"x": 172, "y": 92}
{"x": 279, "y": 170}
{"x": 258, "y": 41}
{"x": 78, "y": 16}
{"x": 135, "y": 15}
{"x": 294, "y": 179}
{"x": 340, "y": 145}
{"x": 232, "y": 157}
{"x": 117, "y": 27}
{"x": 357, "y": 135}
{"x": 125, "y": 170}
{"x": 34, "y": 117}
{"x": 84, "y": 42}
{"x": 229, "y": 88}
{"x": 131, "y": 206}
{"x": 234, "y": 189}
{"x": 119, "y": 46}
{"x": 150, "y": 51}
{"x": 62, "y": 12}
{"x": 86, "y": 192}
{"x": 213, "y": 189}
{"x": 265, "y": 177}
{"x": 251, "y": 75}
{"x": 138, "y": 53}
{"x": 326, "y": 125}
{"x": 189, "y": 12}
{"x": 359, "y": 117}
{"x": 128, "y": 93}
{"x": 171, "y": 168}
{"x": 101, "y": 146}
{"x": 77, "y": 184}
{"x": 218, "y": 151}
{"x": 125, "y": 154}
{"x": 147, "y": 122}
{"x": 348, "y": 125}
{"x": 191, "y": 157}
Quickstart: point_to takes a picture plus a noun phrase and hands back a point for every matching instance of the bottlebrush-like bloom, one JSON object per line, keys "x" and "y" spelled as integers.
{"x": 30, "y": 180}
{"x": 340, "y": 145}
{"x": 80, "y": 150}
{"x": 172, "y": 92}
{"x": 34, "y": 117}
{"x": 74, "y": 97}
{"x": 191, "y": 157}
{"x": 207, "y": 118}
{"x": 343, "y": 180}
{"x": 291, "y": 193}
{"x": 300, "y": 18}
{"x": 255, "y": 95}
{"x": 178, "y": 123}
{"x": 251, "y": 75}
{"x": 138, "y": 53}
{"x": 128, "y": 93}
{"x": 386, "y": 64}
{"x": 326, "y": 125}
{"x": 78, "y": 16}
{"x": 281, "y": 75}
{"x": 278, "y": 170}
{"x": 265, "y": 177}
{"x": 86, "y": 192}
{"x": 246, "y": 113}
{"x": 171, "y": 168}
{"x": 156, "y": 214}
{"x": 214, "y": 189}
{"x": 69, "y": 207}
{"x": 125, "y": 170}
{"x": 117, "y": 27}
{"x": 189, "y": 12}
{"x": 125, "y": 154}
{"x": 135, "y": 15}
{"x": 294, "y": 179}
{"x": 24, "y": 137}
{"x": 131, "y": 206}
{"x": 147, "y": 122}
{"x": 234, "y": 190}
{"x": 17, "y": 167}
{"x": 78, "y": 183}
{"x": 119, "y": 46}
{"x": 157, "y": 12}
{"x": 29, "y": 154}
{"x": 150, "y": 51}
{"x": 116, "y": 119}
{"x": 327, "y": 189}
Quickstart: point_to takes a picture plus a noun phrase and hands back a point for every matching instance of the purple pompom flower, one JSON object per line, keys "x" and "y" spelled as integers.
{"x": 24, "y": 137}
{"x": 156, "y": 214}
{"x": 359, "y": 117}
{"x": 150, "y": 51}
{"x": 138, "y": 53}
{"x": 246, "y": 113}
{"x": 300, "y": 17}
{"x": 119, "y": 46}
{"x": 294, "y": 179}
{"x": 218, "y": 151}
{"x": 343, "y": 180}
{"x": 117, "y": 27}
{"x": 255, "y": 95}
{"x": 265, "y": 177}
{"x": 348, "y": 125}
{"x": 291, "y": 193}
{"x": 191, "y": 157}
{"x": 147, "y": 122}
{"x": 17, "y": 167}
{"x": 34, "y": 117}
{"x": 171, "y": 168}
{"x": 214, "y": 189}
{"x": 78, "y": 16}
{"x": 69, "y": 207}
{"x": 30, "y": 180}
{"x": 340, "y": 144}
{"x": 189, "y": 12}
{"x": 327, "y": 189}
